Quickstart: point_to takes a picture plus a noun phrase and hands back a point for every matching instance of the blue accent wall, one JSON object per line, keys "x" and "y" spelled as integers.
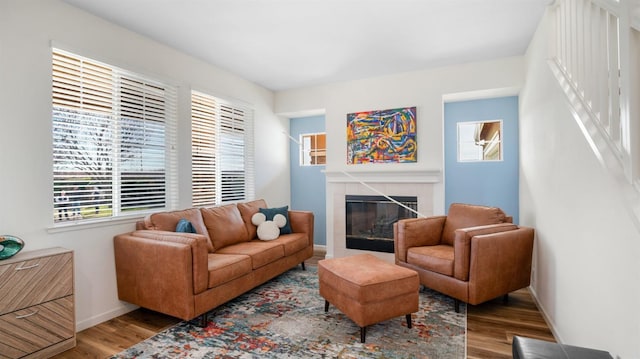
{"x": 485, "y": 183}
{"x": 308, "y": 185}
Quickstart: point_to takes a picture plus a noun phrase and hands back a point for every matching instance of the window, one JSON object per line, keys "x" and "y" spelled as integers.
{"x": 480, "y": 141}
{"x": 111, "y": 133}
{"x": 313, "y": 149}
{"x": 221, "y": 151}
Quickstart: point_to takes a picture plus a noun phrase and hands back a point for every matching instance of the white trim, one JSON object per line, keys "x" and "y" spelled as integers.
{"x": 422, "y": 176}
{"x": 103, "y": 317}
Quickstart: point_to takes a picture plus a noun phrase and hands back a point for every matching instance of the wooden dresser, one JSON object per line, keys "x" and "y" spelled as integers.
{"x": 37, "y": 312}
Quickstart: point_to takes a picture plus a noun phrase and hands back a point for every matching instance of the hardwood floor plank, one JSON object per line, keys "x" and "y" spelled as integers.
{"x": 490, "y": 328}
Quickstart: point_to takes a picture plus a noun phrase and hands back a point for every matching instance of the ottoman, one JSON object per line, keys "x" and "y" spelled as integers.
{"x": 368, "y": 290}
{"x": 527, "y": 348}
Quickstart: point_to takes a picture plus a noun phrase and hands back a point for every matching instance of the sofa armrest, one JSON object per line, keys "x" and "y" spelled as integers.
{"x": 416, "y": 232}
{"x": 302, "y": 222}
{"x": 500, "y": 263}
{"x": 462, "y": 245}
{"x": 161, "y": 270}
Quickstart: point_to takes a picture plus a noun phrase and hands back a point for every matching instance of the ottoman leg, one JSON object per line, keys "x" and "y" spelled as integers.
{"x": 326, "y": 305}
{"x": 408, "y": 320}
{"x": 363, "y": 334}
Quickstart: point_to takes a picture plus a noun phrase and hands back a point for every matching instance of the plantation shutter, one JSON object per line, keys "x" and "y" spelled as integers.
{"x": 143, "y": 132}
{"x": 111, "y": 130}
{"x": 222, "y": 151}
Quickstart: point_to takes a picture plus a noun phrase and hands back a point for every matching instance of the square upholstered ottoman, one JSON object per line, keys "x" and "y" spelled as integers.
{"x": 368, "y": 290}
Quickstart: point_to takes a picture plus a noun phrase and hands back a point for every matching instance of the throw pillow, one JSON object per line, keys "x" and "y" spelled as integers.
{"x": 185, "y": 226}
{"x": 271, "y": 212}
{"x": 268, "y": 230}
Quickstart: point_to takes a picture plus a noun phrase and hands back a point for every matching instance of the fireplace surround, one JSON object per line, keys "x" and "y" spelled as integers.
{"x": 425, "y": 185}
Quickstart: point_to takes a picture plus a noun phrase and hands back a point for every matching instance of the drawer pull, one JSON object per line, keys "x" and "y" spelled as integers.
{"x": 27, "y": 315}
{"x": 28, "y": 267}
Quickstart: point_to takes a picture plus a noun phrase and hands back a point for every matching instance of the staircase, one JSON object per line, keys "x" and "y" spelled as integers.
{"x": 594, "y": 54}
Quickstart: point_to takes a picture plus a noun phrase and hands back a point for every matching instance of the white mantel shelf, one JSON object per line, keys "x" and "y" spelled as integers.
{"x": 424, "y": 176}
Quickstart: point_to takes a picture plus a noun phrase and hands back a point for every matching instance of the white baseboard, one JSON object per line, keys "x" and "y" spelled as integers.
{"x": 545, "y": 316}
{"x": 103, "y": 317}
{"x": 319, "y": 247}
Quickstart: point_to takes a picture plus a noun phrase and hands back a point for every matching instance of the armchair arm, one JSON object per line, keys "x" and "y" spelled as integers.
{"x": 500, "y": 263}
{"x": 462, "y": 245}
{"x": 161, "y": 270}
{"x": 302, "y": 222}
{"x": 416, "y": 232}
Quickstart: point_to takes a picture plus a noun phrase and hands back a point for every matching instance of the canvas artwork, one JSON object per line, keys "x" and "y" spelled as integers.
{"x": 387, "y": 136}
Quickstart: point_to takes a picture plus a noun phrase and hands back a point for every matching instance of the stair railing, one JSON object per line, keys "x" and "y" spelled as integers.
{"x": 590, "y": 55}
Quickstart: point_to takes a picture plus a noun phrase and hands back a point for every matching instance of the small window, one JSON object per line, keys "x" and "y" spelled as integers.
{"x": 313, "y": 149}
{"x": 480, "y": 141}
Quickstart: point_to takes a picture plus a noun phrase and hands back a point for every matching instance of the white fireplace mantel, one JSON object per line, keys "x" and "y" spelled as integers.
{"x": 420, "y": 176}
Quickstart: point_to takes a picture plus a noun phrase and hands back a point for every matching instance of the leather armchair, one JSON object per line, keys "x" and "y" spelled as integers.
{"x": 473, "y": 254}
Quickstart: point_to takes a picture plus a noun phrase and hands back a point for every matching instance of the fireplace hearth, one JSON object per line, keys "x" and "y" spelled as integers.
{"x": 370, "y": 219}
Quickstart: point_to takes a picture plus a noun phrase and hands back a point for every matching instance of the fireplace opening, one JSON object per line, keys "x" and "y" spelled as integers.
{"x": 370, "y": 220}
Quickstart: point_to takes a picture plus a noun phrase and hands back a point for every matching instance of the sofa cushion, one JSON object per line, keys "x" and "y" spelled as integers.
{"x": 466, "y": 215}
{"x": 225, "y": 225}
{"x": 293, "y": 242}
{"x": 247, "y": 210}
{"x": 437, "y": 259}
{"x": 224, "y": 268}
{"x": 261, "y": 252}
{"x": 168, "y": 221}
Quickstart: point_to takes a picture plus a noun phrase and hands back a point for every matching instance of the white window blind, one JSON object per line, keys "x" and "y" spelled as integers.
{"x": 222, "y": 163}
{"x": 113, "y": 136}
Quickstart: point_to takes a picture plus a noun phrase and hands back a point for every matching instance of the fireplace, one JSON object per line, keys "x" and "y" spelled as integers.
{"x": 370, "y": 219}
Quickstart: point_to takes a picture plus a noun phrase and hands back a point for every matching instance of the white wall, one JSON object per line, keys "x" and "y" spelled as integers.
{"x": 587, "y": 277}
{"x": 27, "y": 28}
{"x": 423, "y": 89}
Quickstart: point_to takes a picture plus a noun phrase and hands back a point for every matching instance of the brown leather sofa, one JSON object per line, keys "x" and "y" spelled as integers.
{"x": 473, "y": 254}
{"x": 185, "y": 275}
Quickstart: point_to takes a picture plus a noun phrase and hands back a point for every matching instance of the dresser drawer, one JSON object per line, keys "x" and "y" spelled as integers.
{"x": 31, "y": 329}
{"x": 33, "y": 281}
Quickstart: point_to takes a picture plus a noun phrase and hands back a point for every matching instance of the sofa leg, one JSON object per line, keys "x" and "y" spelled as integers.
{"x": 456, "y": 305}
{"x": 363, "y": 334}
{"x": 200, "y": 321}
{"x": 505, "y": 299}
{"x": 303, "y": 267}
{"x": 408, "y": 316}
{"x": 326, "y": 306}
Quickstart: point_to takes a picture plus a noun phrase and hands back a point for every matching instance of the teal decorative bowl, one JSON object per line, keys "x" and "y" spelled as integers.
{"x": 9, "y": 246}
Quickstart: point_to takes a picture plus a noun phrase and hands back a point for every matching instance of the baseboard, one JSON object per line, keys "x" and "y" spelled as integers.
{"x": 103, "y": 317}
{"x": 546, "y": 318}
{"x": 319, "y": 247}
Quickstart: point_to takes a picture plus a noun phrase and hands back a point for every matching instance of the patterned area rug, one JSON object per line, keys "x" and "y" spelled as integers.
{"x": 285, "y": 318}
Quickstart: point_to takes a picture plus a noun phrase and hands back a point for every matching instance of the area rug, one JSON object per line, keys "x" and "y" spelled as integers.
{"x": 285, "y": 318}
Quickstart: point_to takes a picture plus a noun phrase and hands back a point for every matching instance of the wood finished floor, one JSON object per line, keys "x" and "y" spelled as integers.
{"x": 490, "y": 328}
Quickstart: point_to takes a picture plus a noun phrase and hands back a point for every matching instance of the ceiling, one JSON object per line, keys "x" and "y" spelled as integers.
{"x": 285, "y": 44}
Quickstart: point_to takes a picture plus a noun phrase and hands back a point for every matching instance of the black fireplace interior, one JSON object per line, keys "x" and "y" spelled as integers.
{"x": 370, "y": 220}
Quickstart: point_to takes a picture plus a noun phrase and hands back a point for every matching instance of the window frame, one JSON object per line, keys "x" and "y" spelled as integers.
{"x": 222, "y": 140}
{"x": 140, "y": 123}
{"x": 312, "y": 152}
{"x": 492, "y": 142}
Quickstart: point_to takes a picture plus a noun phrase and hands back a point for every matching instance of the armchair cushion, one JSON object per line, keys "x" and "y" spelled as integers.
{"x": 466, "y": 215}
{"x": 437, "y": 258}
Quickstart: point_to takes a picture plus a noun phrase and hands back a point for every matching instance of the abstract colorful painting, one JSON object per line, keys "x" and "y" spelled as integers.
{"x": 382, "y": 136}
